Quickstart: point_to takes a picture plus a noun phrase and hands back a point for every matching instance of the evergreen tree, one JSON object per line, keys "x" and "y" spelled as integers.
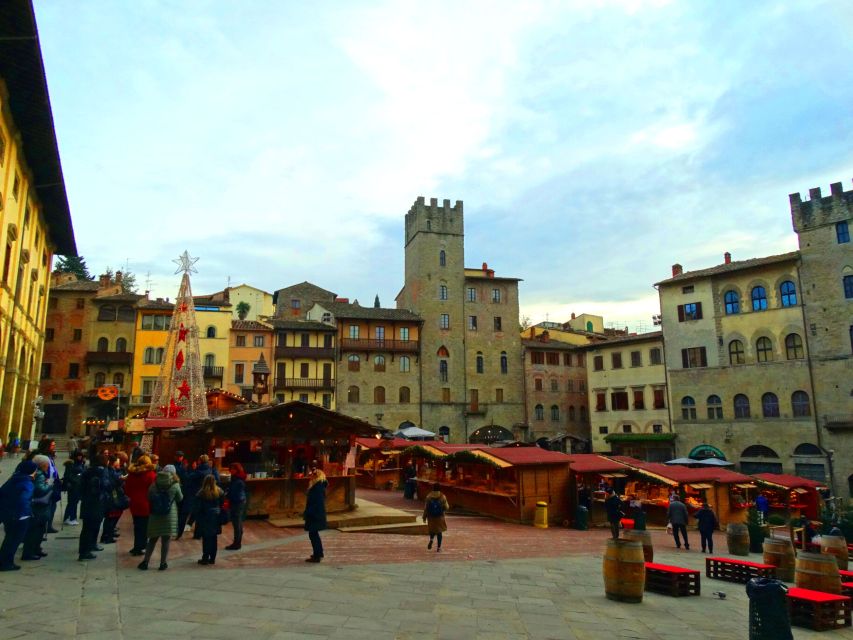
{"x": 75, "y": 265}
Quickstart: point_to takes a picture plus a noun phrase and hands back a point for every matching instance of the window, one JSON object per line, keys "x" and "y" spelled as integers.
{"x": 74, "y": 370}
{"x": 295, "y": 303}
{"x": 552, "y": 357}
{"x": 444, "y": 321}
{"x": 45, "y": 370}
{"x": 353, "y": 332}
{"x": 715, "y": 408}
{"x": 788, "y": 294}
{"x": 555, "y": 413}
{"x": 496, "y": 295}
{"x": 659, "y": 399}
{"x": 211, "y": 332}
{"x": 602, "y": 430}
{"x": 693, "y": 357}
{"x": 741, "y": 403}
{"x": 126, "y": 314}
{"x": 472, "y": 323}
{"x": 442, "y": 258}
{"x": 471, "y": 294}
{"x": 732, "y": 303}
{"x": 736, "y": 352}
{"x": 583, "y": 414}
{"x": 379, "y": 395}
{"x": 764, "y": 349}
{"x": 155, "y": 323}
{"x": 636, "y": 359}
{"x": 404, "y": 334}
{"x": 499, "y": 395}
{"x": 327, "y": 400}
{"x": 770, "y": 405}
{"x": 498, "y": 326}
{"x": 258, "y": 341}
{"x": 793, "y": 346}
{"x": 81, "y": 303}
{"x": 77, "y": 336}
{"x": 148, "y": 356}
{"x": 619, "y": 400}
{"x": 616, "y": 360}
{"x": 842, "y": 232}
{"x": 158, "y": 355}
{"x": 121, "y": 345}
{"x": 655, "y": 355}
{"x": 480, "y": 363}
{"x": 442, "y": 292}
{"x": 445, "y": 395}
{"x": 442, "y": 370}
{"x": 537, "y": 384}
{"x": 690, "y": 311}
{"x": 570, "y": 385}
{"x": 539, "y": 412}
{"x": 555, "y": 385}
{"x": 327, "y": 341}
{"x": 800, "y": 405}
{"x": 353, "y": 395}
{"x": 379, "y": 363}
{"x": 626, "y": 428}
{"x": 572, "y": 412}
{"x": 759, "y": 299}
{"x": 353, "y": 363}
{"x": 688, "y": 408}
{"x": 504, "y": 362}
{"x": 657, "y": 428}
{"x": 581, "y": 360}
{"x": 598, "y": 363}
{"x": 600, "y": 401}
{"x": 537, "y": 357}
{"x": 239, "y": 371}
{"x": 103, "y": 345}
{"x": 639, "y": 399}
{"x": 241, "y": 341}
{"x": 405, "y": 364}
{"x": 687, "y": 289}
{"x": 848, "y": 287}
{"x": 567, "y": 359}
{"x": 107, "y": 313}
{"x": 304, "y": 369}
{"x": 405, "y": 395}
{"x": 210, "y": 361}
{"x": 100, "y": 379}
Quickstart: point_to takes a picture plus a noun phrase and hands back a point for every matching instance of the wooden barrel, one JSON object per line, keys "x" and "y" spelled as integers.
{"x": 817, "y": 571}
{"x": 737, "y": 538}
{"x": 624, "y": 571}
{"x": 780, "y": 553}
{"x": 836, "y": 546}
{"x": 645, "y": 539}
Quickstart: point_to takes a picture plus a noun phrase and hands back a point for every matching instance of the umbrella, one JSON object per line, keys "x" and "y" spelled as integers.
{"x": 715, "y": 462}
{"x": 682, "y": 461}
{"x": 415, "y": 432}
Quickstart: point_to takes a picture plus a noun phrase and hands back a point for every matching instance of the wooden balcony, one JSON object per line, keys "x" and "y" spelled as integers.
{"x": 214, "y": 372}
{"x": 324, "y": 384}
{"x": 314, "y": 353}
{"x": 122, "y": 358}
{"x": 391, "y": 346}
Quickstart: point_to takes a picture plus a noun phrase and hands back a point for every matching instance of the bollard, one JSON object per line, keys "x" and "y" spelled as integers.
{"x": 541, "y": 520}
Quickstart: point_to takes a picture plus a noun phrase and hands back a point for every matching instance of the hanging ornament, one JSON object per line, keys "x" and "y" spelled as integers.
{"x": 179, "y": 360}
{"x": 184, "y": 390}
{"x": 174, "y": 409}
{"x": 182, "y": 333}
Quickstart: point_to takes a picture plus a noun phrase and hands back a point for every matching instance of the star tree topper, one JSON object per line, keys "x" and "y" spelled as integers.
{"x": 185, "y": 263}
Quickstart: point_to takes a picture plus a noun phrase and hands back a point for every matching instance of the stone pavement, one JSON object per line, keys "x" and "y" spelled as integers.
{"x": 493, "y": 580}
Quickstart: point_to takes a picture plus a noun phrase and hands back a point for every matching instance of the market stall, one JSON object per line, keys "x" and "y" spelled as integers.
{"x": 590, "y": 474}
{"x": 379, "y": 463}
{"x": 791, "y": 496}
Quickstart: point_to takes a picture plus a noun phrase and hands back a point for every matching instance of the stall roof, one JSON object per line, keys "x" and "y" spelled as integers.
{"x": 383, "y": 443}
{"x": 788, "y": 482}
{"x": 593, "y": 463}
{"x": 674, "y": 474}
{"x": 518, "y": 456}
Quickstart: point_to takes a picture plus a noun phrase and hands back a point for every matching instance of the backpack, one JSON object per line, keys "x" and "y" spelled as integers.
{"x": 161, "y": 503}
{"x": 435, "y": 508}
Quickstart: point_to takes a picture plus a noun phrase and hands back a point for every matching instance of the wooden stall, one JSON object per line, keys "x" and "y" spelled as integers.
{"x": 791, "y": 496}
{"x": 589, "y": 475}
{"x": 379, "y": 463}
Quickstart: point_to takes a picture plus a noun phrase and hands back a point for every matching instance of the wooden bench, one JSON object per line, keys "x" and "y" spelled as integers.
{"x": 737, "y": 570}
{"x": 847, "y": 588}
{"x": 846, "y": 576}
{"x": 671, "y": 581}
{"x": 818, "y": 610}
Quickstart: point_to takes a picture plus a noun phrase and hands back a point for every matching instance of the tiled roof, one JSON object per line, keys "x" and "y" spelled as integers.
{"x": 77, "y": 285}
{"x": 347, "y": 310}
{"x": 156, "y": 305}
{"x": 678, "y": 474}
{"x": 120, "y": 297}
{"x": 789, "y": 482}
{"x": 309, "y": 286}
{"x": 527, "y": 455}
{"x": 738, "y": 265}
{"x": 553, "y": 345}
{"x": 593, "y": 463}
{"x": 249, "y": 325}
{"x": 207, "y": 301}
{"x": 301, "y": 325}
{"x": 640, "y": 337}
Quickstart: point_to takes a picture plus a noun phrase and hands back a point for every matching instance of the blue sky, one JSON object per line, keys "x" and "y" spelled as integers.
{"x": 594, "y": 143}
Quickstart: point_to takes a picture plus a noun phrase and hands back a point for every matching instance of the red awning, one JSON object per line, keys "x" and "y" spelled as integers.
{"x": 593, "y": 463}
{"x": 789, "y": 482}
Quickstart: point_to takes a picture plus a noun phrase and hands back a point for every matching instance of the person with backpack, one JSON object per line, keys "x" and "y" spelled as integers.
{"x": 238, "y": 497}
{"x": 315, "y": 513}
{"x": 434, "y": 510}
{"x": 94, "y": 499}
{"x": 16, "y": 511}
{"x": 72, "y": 480}
{"x": 195, "y": 479}
{"x": 208, "y": 514}
{"x": 163, "y": 517}
{"x": 140, "y": 477}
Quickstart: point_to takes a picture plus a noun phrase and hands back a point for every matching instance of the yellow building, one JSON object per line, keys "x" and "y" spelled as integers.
{"x": 153, "y": 319}
{"x": 248, "y": 341}
{"x": 214, "y": 331}
{"x": 304, "y": 362}
{"x": 260, "y": 302}
{"x": 36, "y": 221}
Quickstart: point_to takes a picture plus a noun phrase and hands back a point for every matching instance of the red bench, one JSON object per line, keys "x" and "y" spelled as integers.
{"x": 847, "y": 588}
{"x": 818, "y": 610}
{"x": 737, "y": 570}
{"x": 671, "y": 581}
{"x": 845, "y": 575}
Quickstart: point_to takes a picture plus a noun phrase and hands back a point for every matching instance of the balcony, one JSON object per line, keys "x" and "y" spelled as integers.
{"x": 214, "y": 372}
{"x": 325, "y": 384}
{"x": 478, "y": 409}
{"x": 315, "y": 353}
{"x": 838, "y": 422}
{"x": 122, "y": 358}
{"x": 140, "y": 400}
{"x": 391, "y": 346}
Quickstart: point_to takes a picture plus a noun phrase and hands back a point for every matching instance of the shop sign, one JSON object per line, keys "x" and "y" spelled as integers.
{"x": 706, "y": 451}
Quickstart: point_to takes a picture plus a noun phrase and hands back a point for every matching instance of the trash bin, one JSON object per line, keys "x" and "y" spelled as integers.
{"x": 541, "y": 520}
{"x": 768, "y": 610}
{"x": 581, "y": 518}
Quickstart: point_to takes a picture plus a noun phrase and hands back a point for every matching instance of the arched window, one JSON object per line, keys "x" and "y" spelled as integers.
{"x": 736, "y": 352}
{"x": 352, "y": 395}
{"x": 741, "y": 403}
{"x": 808, "y": 449}
{"x": 444, "y": 432}
{"x": 405, "y": 364}
{"x": 148, "y": 356}
{"x": 571, "y": 412}
{"x": 379, "y": 395}
{"x": 759, "y": 299}
{"x": 121, "y": 345}
{"x": 732, "y": 303}
{"x": 379, "y": 363}
{"x": 555, "y": 413}
{"x": 442, "y": 258}
{"x": 539, "y": 412}
{"x": 800, "y": 405}
{"x": 405, "y": 395}
{"x": 442, "y": 370}
{"x": 353, "y": 363}
{"x": 158, "y": 358}
{"x": 763, "y": 349}
{"x": 480, "y": 363}
{"x": 443, "y": 352}
{"x": 126, "y": 314}
{"x": 118, "y": 380}
{"x": 100, "y": 379}
{"x": 442, "y": 292}
{"x": 103, "y": 345}
{"x": 770, "y": 405}
{"x": 583, "y": 413}
{"x": 107, "y": 313}
{"x": 209, "y": 360}
{"x": 758, "y": 451}
{"x": 211, "y": 332}
{"x": 504, "y": 362}
{"x": 715, "y": 408}
{"x": 688, "y": 408}
{"x": 789, "y": 293}
{"x": 793, "y": 346}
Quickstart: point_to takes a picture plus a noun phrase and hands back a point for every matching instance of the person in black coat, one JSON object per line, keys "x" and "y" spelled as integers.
{"x": 315, "y": 513}
{"x": 707, "y": 521}
{"x": 207, "y": 510}
{"x": 94, "y": 499}
{"x": 16, "y": 511}
{"x": 72, "y": 480}
{"x": 613, "y": 506}
{"x": 237, "y": 499}
{"x": 195, "y": 480}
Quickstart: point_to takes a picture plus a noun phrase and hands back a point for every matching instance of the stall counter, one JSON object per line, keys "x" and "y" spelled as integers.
{"x": 285, "y": 497}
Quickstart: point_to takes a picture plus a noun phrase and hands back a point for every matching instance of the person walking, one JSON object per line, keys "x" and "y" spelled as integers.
{"x": 613, "y": 507}
{"x": 434, "y": 509}
{"x": 707, "y": 521}
{"x": 41, "y": 501}
{"x": 762, "y": 506}
{"x": 140, "y": 477}
{"x": 410, "y": 478}
{"x": 47, "y": 448}
{"x": 315, "y": 513}
{"x": 237, "y": 501}
{"x": 208, "y": 510}
{"x": 16, "y": 511}
{"x": 72, "y": 479}
{"x": 163, "y": 519}
{"x": 94, "y": 498}
{"x": 676, "y": 514}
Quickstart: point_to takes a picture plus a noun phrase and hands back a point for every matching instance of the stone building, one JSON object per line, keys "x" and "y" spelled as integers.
{"x": 304, "y": 362}
{"x": 471, "y": 367}
{"x": 293, "y": 302}
{"x": 626, "y": 377}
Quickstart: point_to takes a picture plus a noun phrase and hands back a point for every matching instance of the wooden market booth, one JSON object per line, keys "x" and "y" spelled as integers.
{"x": 274, "y": 444}
{"x": 589, "y": 475}
{"x": 379, "y": 463}
{"x": 791, "y": 496}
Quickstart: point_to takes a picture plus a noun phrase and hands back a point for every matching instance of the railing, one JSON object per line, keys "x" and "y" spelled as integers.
{"x": 838, "y": 422}
{"x": 364, "y": 344}
{"x": 109, "y": 357}
{"x": 214, "y": 372}
{"x": 303, "y": 383}
{"x": 304, "y": 352}
{"x": 140, "y": 399}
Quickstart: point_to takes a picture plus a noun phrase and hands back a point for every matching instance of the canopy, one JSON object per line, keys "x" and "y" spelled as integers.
{"x": 714, "y": 462}
{"x": 682, "y": 461}
{"x": 414, "y": 432}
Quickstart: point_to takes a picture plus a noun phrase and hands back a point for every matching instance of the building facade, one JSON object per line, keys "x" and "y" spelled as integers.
{"x": 153, "y": 319}
{"x": 249, "y": 340}
{"x": 304, "y": 362}
{"x": 293, "y": 302}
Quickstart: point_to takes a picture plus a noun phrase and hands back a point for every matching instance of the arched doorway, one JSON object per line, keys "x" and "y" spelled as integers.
{"x": 759, "y": 459}
{"x": 705, "y": 451}
{"x": 490, "y": 434}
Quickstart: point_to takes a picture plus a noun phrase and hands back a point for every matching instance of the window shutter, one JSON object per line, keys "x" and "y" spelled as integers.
{"x": 685, "y": 360}
{"x": 698, "y": 310}
{"x": 681, "y": 313}
{"x": 703, "y": 359}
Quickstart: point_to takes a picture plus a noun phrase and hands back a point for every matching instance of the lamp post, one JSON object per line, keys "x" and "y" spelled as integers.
{"x": 260, "y": 378}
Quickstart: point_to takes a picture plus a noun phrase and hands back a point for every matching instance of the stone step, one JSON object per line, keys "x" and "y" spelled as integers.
{"x": 335, "y": 521}
{"x": 411, "y": 529}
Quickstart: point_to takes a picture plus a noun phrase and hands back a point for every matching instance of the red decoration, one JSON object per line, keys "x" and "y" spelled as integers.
{"x": 184, "y": 390}
{"x": 174, "y": 409}
{"x": 183, "y": 307}
{"x": 164, "y": 410}
{"x": 179, "y": 360}
{"x": 182, "y": 333}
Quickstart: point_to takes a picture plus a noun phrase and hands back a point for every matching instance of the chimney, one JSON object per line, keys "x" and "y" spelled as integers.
{"x": 573, "y": 315}
{"x": 118, "y": 277}
{"x": 677, "y": 270}
{"x": 104, "y": 280}
{"x": 727, "y": 257}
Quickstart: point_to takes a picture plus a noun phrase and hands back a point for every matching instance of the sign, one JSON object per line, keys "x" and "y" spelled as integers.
{"x": 706, "y": 451}
{"x": 147, "y": 442}
{"x": 107, "y": 393}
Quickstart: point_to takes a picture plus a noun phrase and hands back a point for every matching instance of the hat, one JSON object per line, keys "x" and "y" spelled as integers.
{"x": 179, "y": 454}
{"x": 27, "y": 468}
{"x": 170, "y": 468}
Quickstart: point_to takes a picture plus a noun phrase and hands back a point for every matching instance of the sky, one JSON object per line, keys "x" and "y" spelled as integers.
{"x": 594, "y": 142}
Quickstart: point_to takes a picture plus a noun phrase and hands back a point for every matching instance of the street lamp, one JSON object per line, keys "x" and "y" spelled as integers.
{"x": 260, "y": 378}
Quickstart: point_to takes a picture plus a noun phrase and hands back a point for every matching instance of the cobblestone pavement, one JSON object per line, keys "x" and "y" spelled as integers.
{"x": 492, "y": 580}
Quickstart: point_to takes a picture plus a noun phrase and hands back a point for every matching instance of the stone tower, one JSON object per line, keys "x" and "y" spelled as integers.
{"x": 823, "y": 226}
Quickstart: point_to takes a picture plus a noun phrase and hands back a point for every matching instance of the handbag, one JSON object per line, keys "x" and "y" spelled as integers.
{"x": 224, "y": 516}
{"x": 120, "y": 501}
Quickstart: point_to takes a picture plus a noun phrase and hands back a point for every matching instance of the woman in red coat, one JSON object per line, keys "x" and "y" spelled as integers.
{"x": 140, "y": 477}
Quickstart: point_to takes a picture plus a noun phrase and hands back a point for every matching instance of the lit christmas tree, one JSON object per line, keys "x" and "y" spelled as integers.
{"x": 179, "y": 392}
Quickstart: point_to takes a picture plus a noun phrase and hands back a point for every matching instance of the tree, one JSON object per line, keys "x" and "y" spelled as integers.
{"x": 243, "y": 308}
{"x": 75, "y": 265}
{"x": 128, "y": 280}
{"x": 524, "y": 325}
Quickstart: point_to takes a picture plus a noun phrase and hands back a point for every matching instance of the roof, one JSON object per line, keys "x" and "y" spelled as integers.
{"x": 208, "y": 301}
{"x": 301, "y": 325}
{"x": 249, "y": 325}
{"x": 520, "y": 456}
{"x": 640, "y": 437}
{"x": 651, "y": 336}
{"x": 78, "y": 285}
{"x": 593, "y": 463}
{"x": 383, "y": 443}
{"x": 788, "y": 482}
{"x": 120, "y": 297}
{"x": 156, "y": 305}
{"x": 482, "y": 276}
{"x": 738, "y": 265}
{"x": 347, "y": 310}
{"x": 552, "y": 345}
{"x": 22, "y": 69}
{"x": 674, "y": 474}
{"x": 309, "y": 286}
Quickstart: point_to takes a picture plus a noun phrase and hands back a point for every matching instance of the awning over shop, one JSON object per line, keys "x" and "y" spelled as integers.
{"x": 594, "y": 463}
{"x": 785, "y": 481}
